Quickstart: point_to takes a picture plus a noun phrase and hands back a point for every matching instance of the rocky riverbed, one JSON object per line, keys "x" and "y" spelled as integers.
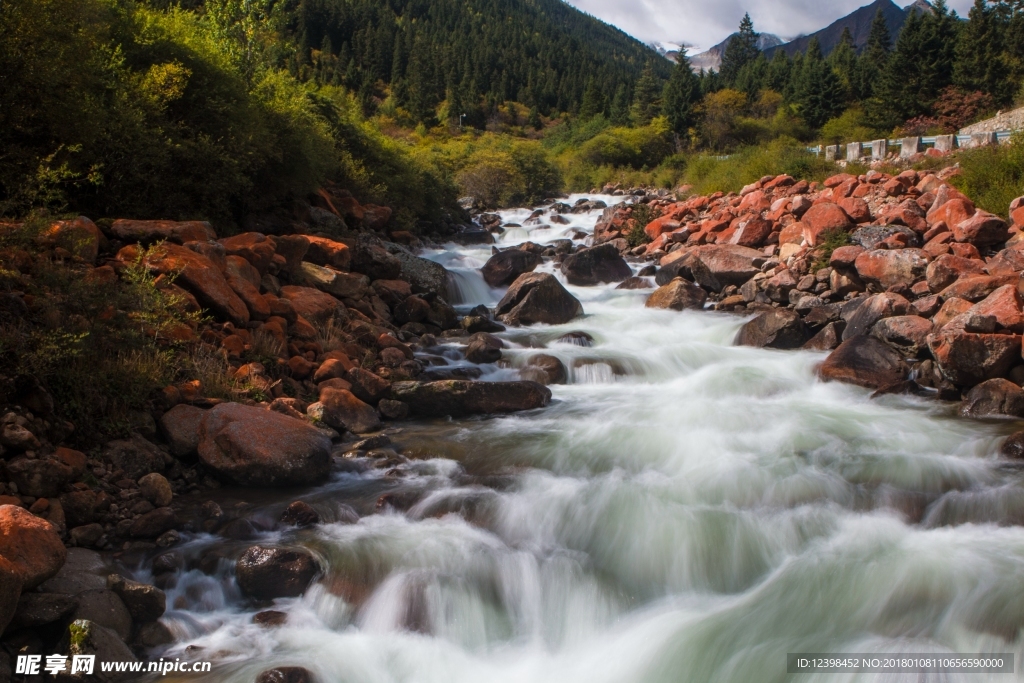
{"x": 545, "y": 454}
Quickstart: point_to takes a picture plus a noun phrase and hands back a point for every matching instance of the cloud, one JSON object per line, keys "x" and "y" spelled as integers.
{"x": 703, "y": 23}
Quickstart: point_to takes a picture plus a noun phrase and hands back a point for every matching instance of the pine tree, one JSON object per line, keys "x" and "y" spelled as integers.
{"x": 593, "y": 101}
{"x": 980, "y": 61}
{"x": 682, "y": 96}
{"x": 843, "y": 60}
{"x": 645, "y": 98}
{"x": 619, "y": 113}
{"x": 874, "y": 59}
{"x": 741, "y": 50}
{"x": 819, "y": 92}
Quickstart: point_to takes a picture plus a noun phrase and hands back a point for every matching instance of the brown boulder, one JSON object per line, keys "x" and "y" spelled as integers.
{"x": 845, "y": 258}
{"x": 864, "y": 361}
{"x": 545, "y": 369}
{"x": 180, "y": 427}
{"x": 148, "y": 232}
{"x": 80, "y": 236}
{"x": 1004, "y": 304}
{"x": 752, "y": 234}
{"x": 993, "y": 397}
{"x": 974, "y": 288}
{"x": 719, "y": 265}
{"x": 31, "y": 545}
{"x": 341, "y": 410}
{"x": 947, "y": 269}
{"x": 778, "y": 328}
{"x": 502, "y": 269}
{"x": 367, "y": 386}
{"x": 197, "y": 274}
{"x": 458, "y": 398}
{"x": 254, "y": 247}
{"x": 326, "y": 252}
{"x": 862, "y": 319}
{"x": 886, "y": 268}
{"x": 822, "y": 218}
{"x": 981, "y": 229}
{"x": 908, "y": 334}
{"x": 537, "y": 298}
{"x": 256, "y": 447}
{"x": 311, "y": 304}
{"x": 268, "y": 573}
{"x": 967, "y": 359}
{"x": 678, "y": 295}
{"x": 594, "y": 266}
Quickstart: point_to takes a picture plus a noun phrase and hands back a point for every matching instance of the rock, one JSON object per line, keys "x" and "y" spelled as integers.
{"x": 334, "y": 282}
{"x": 135, "y": 456}
{"x": 484, "y": 348}
{"x": 285, "y": 674}
{"x": 775, "y": 329}
{"x": 41, "y": 477}
{"x": 86, "y": 535}
{"x": 153, "y": 523}
{"x": 1004, "y": 304}
{"x": 872, "y": 237}
{"x": 947, "y": 269}
{"x": 197, "y": 274}
{"x": 752, "y": 234}
{"x": 886, "y": 268}
{"x": 595, "y": 265}
{"x": 105, "y": 608}
{"x": 374, "y": 261}
{"x": 269, "y": 618}
{"x": 154, "y": 634}
{"x": 31, "y": 545}
{"x": 717, "y": 266}
{"x": 967, "y": 359}
{"x": 864, "y": 361}
{"x": 256, "y": 447}
{"x": 993, "y": 397}
{"x": 180, "y": 428}
{"x": 974, "y": 288}
{"x": 393, "y": 410}
{"x": 268, "y": 573}
{"x": 39, "y": 609}
{"x": 828, "y": 338}
{"x": 145, "y": 603}
{"x": 341, "y": 410}
{"x": 327, "y": 252}
{"x": 300, "y": 514}
{"x": 678, "y": 295}
{"x": 148, "y": 232}
{"x": 83, "y": 570}
{"x": 79, "y": 236}
{"x": 908, "y": 334}
{"x": 10, "y": 589}
{"x": 502, "y": 269}
{"x": 576, "y": 338}
{"x": 85, "y": 638}
{"x": 981, "y": 229}
{"x": 458, "y": 398}
{"x": 822, "y": 218}
{"x": 544, "y": 369}
{"x": 845, "y": 258}
{"x": 872, "y": 309}
{"x": 310, "y": 303}
{"x": 366, "y": 386}
{"x": 1013, "y": 447}
{"x": 634, "y": 283}
{"x": 425, "y": 276}
{"x": 156, "y": 489}
{"x": 537, "y": 298}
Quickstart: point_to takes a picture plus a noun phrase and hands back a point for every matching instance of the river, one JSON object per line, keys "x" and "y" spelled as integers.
{"x": 684, "y": 510}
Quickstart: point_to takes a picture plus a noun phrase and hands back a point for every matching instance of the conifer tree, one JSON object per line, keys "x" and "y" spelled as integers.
{"x": 645, "y": 98}
{"x": 843, "y": 60}
{"x": 819, "y": 90}
{"x": 619, "y": 113}
{"x": 593, "y": 101}
{"x": 741, "y": 50}
{"x": 682, "y": 96}
{"x": 874, "y": 59}
{"x": 980, "y": 61}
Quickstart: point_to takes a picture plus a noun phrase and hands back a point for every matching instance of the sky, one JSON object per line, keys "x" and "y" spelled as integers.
{"x": 704, "y": 23}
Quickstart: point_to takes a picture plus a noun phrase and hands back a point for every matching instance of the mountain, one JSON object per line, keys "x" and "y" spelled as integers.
{"x": 539, "y": 52}
{"x": 859, "y": 23}
{"x": 712, "y": 59}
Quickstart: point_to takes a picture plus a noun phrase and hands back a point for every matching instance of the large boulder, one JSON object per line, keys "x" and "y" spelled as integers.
{"x": 254, "y": 247}
{"x": 502, "y": 269}
{"x": 886, "y": 268}
{"x": 31, "y": 545}
{"x": 778, "y": 328}
{"x": 327, "y": 252}
{"x": 678, "y": 295}
{"x": 995, "y": 397}
{"x": 372, "y": 259}
{"x": 1004, "y": 304}
{"x": 105, "y": 608}
{"x": 145, "y": 603}
{"x": 982, "y": 229}
{"x": 87, "y": 638}
{"x": 257, "y": 447}
{"x": 268, "y": 573}
{"x": 341, "y": 410}
{"x": 458, "y": 398}
{"x": 908, "y": 334}
{"x": 310, "y": 303}
{"x": 596, "y": 265}
{"x": 424, "y": 275}
{"x": 862, "y": 319}
{"x": 196, "y": 273}
{"x": 823, "y": 218}
{"x": 537, "y": 298}
{"x": 39, "y": 477}
{"x": 148, "y": 232}
{"x": 719, "y": 265}
{"x": 135, "y": 456}
{"x": 948, "y": 268}
{"x": 967, "y": 359}
{"x": 180, "y": 427}
{"x": 335, "y": 282}
{"x": 484, "y": 348}
{"x": 10, "y": 589}
{"x": 866, "y": 362}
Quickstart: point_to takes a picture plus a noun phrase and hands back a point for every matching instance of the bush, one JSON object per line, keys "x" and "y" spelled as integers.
{"x": 993, "y": 176}
{"x": 640, "y": 216}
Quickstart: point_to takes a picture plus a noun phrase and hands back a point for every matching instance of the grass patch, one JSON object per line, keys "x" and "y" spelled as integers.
{"x": 993, "y": 176}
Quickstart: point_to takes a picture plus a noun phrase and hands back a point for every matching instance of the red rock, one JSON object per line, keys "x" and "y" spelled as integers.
{"x": 375, "y": 217}
{"x": 326, "y": 252}
{"x": 1017, "y": 216}
{"x": 894, "y": 188}
{"x": 660, "y": 225}
{"x": 800, "y": 205}
{"x": 950, "y": 310}
{"x": 331, "y": 368}
{"x": 256, "y": 447}
{"x": 720, "y": 265}
{"x": 31, "y": 545}
{"x": 838, "y": 180}
{"x": 995, "y": 397}
{"x": 981, "y": 229}
{"x": 886, "y": 268}
{"x": 939, "y": 245}
{"x": 254, "y": 247}
{"x": 303, "y": 329}
{"x": 964, "y": 250}
{"x": 1006, "y": 262}
{"x": 856, "y": 209}
{"x": 197, "y": 274}
{"x": 953, "y": 212}
{"x": 299, "y": 367}
{"x": 678, "y": 295}
{"x": 975, "y": 288}
{"x": 753, "y": 233}
{"x": 947, "y": 269}
{"x": 1005, "y": 305}
{"x": 311, "y": 304}
{"x": 845, "y": 258}
{"x": 822, "y": 218}
{"x": 341, "y": 410}
{"x": 928, "y": 306}
{"x": 148, "y": 232}
{"x": 80, "y": 236}
{"x": 908, "y": 334}
{"x": 792, "y": 234}
{"x": 967, "y": 359}
{"x": 864, "y": 361}
{"x": 240, "y": 273}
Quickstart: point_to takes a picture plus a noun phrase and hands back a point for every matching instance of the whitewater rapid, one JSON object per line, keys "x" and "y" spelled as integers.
{"x": 684, "y": 510}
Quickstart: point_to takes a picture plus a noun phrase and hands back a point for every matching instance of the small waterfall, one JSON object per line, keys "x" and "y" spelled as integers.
{"x": 467, "y": 288}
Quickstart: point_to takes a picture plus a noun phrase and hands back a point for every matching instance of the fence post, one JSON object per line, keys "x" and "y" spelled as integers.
{"x": 946, "y": 143}
{"x": 854, "y": 151}
{"x": 879, "y": 150}
{"x": 831, "y": 152}
{"x": 910, "y": 146}
{"x": 982, "y": 139}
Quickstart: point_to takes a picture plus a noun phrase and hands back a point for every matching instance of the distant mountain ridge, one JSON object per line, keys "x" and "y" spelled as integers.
{"x": 858, "y": 22}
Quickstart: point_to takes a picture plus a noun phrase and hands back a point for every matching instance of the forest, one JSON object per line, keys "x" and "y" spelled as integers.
{"x": 228, "y": 109}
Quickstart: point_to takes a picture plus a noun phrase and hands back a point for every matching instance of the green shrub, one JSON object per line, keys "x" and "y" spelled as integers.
{"x": 640, "y": 216}
{"x": 993, "y": 176}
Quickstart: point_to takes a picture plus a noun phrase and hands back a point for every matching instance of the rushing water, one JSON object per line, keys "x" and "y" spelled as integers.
{"x": 685, "y": 510}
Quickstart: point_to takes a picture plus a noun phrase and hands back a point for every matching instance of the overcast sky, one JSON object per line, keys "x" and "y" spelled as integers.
{"x": 703, "y": 23}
